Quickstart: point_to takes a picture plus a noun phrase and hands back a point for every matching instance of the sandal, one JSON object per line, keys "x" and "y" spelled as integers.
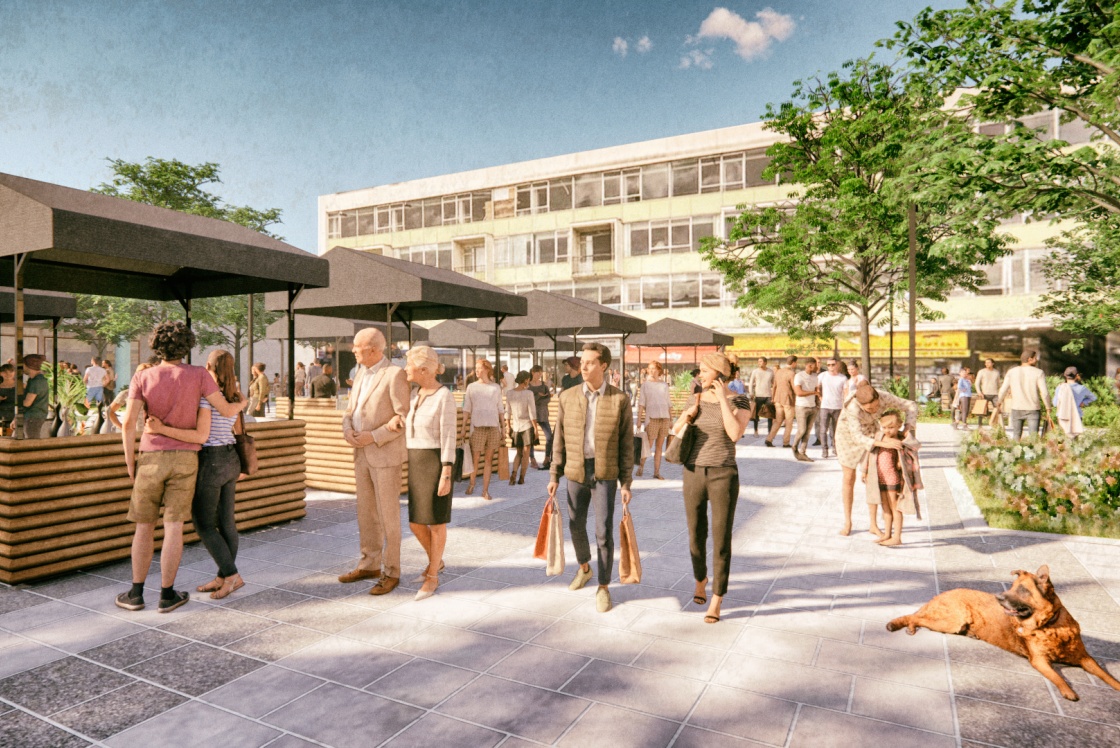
{"x": 227, "y": 589}
{"x": 213, "y": 585}
{"x": 701, "y": 599}
{"x": 470, "y": 488}
{"x": 711, "y": 619}
{"x": 487, "y": 496}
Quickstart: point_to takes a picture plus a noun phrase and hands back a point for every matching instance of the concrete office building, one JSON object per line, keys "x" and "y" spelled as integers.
{"x": 621, "y": 226}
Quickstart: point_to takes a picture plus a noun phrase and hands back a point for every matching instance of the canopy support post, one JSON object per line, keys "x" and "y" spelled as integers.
{"x": 251, "y": 299}
{"x": 498, "y": 319}
{"x": 17, "y": 289}
{"x": 389, "y": 309}
{"x": 184, "y": 299}
{"x": 622, "y": 361}
{"x": 54, "y": 355}
{"x": 294, "y": 290}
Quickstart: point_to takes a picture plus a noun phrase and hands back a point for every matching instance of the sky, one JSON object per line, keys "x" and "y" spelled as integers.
{"x": 298, "y": 99}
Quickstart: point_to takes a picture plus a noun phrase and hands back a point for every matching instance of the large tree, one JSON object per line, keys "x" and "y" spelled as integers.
{"x": 1018, "y": 58}
{"x": 853, "y": 148}
{"x": 169, "y": 183}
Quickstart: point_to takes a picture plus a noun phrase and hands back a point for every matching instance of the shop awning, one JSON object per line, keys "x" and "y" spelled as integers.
{"x": 674, "y": 332}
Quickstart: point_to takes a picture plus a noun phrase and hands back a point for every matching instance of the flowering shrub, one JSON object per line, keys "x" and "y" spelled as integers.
{"x": 1051, "y": 480}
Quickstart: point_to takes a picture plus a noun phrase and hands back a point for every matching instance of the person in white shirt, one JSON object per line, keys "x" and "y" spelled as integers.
{"x": 1026, "y": 386}
{"x": 832, "y": 384}
{"x": 94, "y": 379}
{"x": 484, "y": 415}
{"x": 508, "y": 381}
{"x": 854, "y": 378}
{"x": 653, "y": 414}
{"x": 521, "y": 409}
{"x": 760, "y": 389}
{"x": 806, "y": 391}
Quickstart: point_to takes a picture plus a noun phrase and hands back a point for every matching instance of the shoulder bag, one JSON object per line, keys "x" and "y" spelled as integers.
{"x": 246, "y": 448}
{"x": 680, "y": 447}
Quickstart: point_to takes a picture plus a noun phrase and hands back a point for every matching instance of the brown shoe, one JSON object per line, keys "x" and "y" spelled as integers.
{"x": 358, "y": 575}
{"x": 385, "y": 586}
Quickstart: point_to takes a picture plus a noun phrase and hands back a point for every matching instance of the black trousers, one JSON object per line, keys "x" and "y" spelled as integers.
{"x": 718, "y": 487}
{"x": 212, "y": 510}
{"x": 759, "y": 402}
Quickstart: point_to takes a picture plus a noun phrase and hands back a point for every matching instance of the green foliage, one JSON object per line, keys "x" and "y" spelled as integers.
{"x": 857, "y": 151}
{"x": 1053, "y": 484}
{"x": 71, "y": 394}
{"x": 1022, "y": 57}
{"x": 223, "y": 321}
{"x": 682, "y": 381}
{"x": 1105, "y": 412}
{"x": 898, "y": 387}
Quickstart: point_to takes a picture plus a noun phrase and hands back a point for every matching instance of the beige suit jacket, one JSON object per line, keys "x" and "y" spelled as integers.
{"x": 387, "y": 397}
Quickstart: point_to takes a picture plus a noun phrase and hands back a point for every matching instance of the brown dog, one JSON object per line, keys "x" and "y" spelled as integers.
{"x": 1028, "y": 620}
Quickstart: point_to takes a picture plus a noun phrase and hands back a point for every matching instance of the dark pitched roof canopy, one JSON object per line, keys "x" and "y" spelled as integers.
{"x": 84, "y": 242}
{"x": 363, "y": 284}
{"x": 670, "y": 331}
{"x": 328, "y": 328}
{"x": 37, "y": 305}
{"x": 554, "y": 314}
{"x": 455, "y": 334}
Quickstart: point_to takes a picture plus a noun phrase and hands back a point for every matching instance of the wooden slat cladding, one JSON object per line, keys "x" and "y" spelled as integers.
{"x": 64, "y": 502}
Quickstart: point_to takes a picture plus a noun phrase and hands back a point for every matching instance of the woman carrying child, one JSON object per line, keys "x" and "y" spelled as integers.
{"x": 892, "y": 475}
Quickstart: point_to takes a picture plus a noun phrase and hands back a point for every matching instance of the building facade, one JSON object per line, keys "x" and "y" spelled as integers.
{"x": 621, "y": 226}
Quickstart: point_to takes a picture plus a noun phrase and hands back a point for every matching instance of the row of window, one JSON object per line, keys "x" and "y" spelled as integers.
{"x": 653, "y": 292}
{"x": 731, "y": 171}
{"x": 1018, "y": 273}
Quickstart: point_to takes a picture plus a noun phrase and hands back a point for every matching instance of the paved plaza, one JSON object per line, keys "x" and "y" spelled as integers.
{"x": 504, "y": 655}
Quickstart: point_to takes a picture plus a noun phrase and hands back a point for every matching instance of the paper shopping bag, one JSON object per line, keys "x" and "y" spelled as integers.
{"x": 468, "y": 462}
{"x": 540, "y": 549}
{"x": 630, "y": 561}
{"x": 555, "y": 548}
{"x": 503, "y": 463}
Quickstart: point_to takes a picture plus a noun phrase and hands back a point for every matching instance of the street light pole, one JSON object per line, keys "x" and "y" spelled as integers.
{"x": 912, "y": 355}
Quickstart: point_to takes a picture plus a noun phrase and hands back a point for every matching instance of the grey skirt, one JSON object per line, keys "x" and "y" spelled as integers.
{"x": 424, "y": 506}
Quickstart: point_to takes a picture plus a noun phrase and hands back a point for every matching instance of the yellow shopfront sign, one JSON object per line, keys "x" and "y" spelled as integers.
{"x": 929, "y": 345}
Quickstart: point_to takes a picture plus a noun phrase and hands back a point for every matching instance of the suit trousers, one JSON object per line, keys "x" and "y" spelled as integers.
{"x": 806, "y": 417}
{"x": 719, "y": 487}
{"x": 580, "y": 497}
{"x": 379, "y": 516}
{"x": 783, "y": 414}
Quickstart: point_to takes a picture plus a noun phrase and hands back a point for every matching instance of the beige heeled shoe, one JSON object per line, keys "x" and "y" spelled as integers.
{"x": 422, "y": 595}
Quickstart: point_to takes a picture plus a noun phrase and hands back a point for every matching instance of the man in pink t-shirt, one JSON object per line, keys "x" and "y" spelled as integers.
{"x": 164, "y": 476}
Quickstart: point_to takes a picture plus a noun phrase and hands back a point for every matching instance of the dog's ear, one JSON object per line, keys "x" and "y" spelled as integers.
{"x": 1017, "y": 572}
{"x": 1043, "y": 573}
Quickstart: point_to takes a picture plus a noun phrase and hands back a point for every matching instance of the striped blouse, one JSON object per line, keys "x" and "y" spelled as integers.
{"x": 221, "y": 428}
{"x": 712, "y": 447}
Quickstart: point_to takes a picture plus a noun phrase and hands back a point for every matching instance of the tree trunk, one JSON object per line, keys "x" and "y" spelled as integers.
{"x": 865, "y": 343}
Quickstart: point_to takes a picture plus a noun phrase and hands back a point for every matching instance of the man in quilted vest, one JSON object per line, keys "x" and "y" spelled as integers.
{"x": 593, "y": 448}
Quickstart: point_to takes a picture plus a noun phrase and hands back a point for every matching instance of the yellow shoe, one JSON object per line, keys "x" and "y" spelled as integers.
{"x": 602, "y": 600}
{"x": 582, "y": 578}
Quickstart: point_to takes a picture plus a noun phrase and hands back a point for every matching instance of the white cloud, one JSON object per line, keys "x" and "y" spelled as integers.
{"x": 644, "y": 45}
{"x": 752, "y": 39}
{"x": 695, "y": 58}
{"x": 620, "y": 47}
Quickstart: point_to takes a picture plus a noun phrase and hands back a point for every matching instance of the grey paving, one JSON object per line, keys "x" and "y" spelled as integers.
{"x": 505, "y": 656}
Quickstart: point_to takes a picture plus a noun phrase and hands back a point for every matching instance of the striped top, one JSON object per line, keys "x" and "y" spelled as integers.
{"x": 221, "y": 428}
{"x": 712, "y": 447}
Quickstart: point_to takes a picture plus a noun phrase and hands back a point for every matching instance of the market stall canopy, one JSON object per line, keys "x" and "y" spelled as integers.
{"x": 369, "y": 286}
{"x": 329, "y": 328}
{"x": 37, "y": 305}
{"x": 554, "y": 314}
{"x": 455, "y": 334}
{"x": 667, "y": 332}
{"x": 84, "y": 242}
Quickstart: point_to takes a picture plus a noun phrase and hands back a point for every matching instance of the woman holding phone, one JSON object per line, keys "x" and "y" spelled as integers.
{"x": 711, "y": 476}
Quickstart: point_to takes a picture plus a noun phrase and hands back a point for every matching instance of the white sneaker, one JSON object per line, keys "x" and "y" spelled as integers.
{"x": 581, "y": 579}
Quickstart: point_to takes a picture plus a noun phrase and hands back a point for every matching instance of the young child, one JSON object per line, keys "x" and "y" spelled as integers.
{"x": 889, "y": 470}
{"x": 521, "y": 409}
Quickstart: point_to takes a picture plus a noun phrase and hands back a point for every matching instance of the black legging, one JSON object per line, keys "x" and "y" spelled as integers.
{"x": 213, "y": 510}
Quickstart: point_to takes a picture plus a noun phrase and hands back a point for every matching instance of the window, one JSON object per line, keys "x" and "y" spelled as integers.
{"x": 602, "y": 247}
{"x": 432, "y": 208}
{"x": 655, "y": 181}
{"x": 413, "y": 216}
{"x": 1076, "y": 132}
{"x": 587, "y": 293}
{"x": 589, "y": 190}
{"x": 710, "y": 291}
{"x": 560, "y": 194}
{"x": 435, "y": 255}
{"x": 349, "y": 224}
{"x": 991, "y": 129}
{"x": 444, "y": 255}
{"x": 702, "y": 227}
{"x": 479, "y": 201}
{"x": 655, "y": 293}
{"x": 756, "y": 163}
{"x": 502, "y": 248}
{"x": 686, "y": 177}
{"x": 612, "y": 188}
{"x": 451, "y": 211}
{"x": 382, "y": 220}
{"x": 679, "y": 235}
{"x": 658, "y": 237}
{"x": 334, "y": 225}
{"x": 634, "y": 293}
{"x": 365, "y": 221}
{"x": 709, "y": 174}
{"x": 686, "y": 291}
{"x": 1019, "y": 264}
{"x": 732, "y": 171}
{"x": 522, "y": 250}
{"x": 610, "y": 294}
{"x": 532, "y": 198}
{"x": 639, "y": 239}
{"x": 1039, "y": 282}
{"x": 474, "y": 258}
{"x": 632, "y": 185}
{"x": 546, "y": 248}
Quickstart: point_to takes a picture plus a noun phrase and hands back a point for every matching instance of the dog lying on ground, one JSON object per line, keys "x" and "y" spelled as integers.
{"x": 1028, "y": 620}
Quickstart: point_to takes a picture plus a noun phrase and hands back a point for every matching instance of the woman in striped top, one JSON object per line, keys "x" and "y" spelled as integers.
{"x": 711, "y": 476}
{"x": 218, "y": 471}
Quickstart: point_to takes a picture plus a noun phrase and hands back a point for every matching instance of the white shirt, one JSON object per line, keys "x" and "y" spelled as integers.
{"x": 832, "y": 390}
{"x": 654, "y": 397}
{"x": 589, "y": 426}
{"x": 432, "y": 425}
{"x": 94, "y": 376}
{"x": 808, "y": 383}
{"x": 509, "y": 381}
{"x": 363, "y": 384}
{"x": 484, "y": 403}
{"x": 761, "y": 382}
{"x": 521, "y": 407}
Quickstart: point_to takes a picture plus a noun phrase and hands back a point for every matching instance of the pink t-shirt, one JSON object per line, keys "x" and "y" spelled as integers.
{"x": 171, "y": 394}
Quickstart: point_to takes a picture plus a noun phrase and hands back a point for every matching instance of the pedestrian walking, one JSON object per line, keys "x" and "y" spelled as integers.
{"x": 832, "y": 384}
{"x": 483, "y": 416}
{"x": 654, "y": 415}
{"x": 1024, "y": 388}
{"x": 784, "y": 401}
{"x": 1069, "y": 399}
{"x": 759, "y": 388}
{"x": 521, "y": 414}
{"x": 806, "y": 392}
{"x": 542, "y": 396}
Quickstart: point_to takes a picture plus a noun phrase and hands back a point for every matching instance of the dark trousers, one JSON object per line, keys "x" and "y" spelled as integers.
{"x": 546, "y": 427}
{"x": 718, "y": 486}
{"x": 827, "y": 421}
{"x": 1032, "y": 419}
{"x": 212, "y": 510}
{"x": 758, "y": 403}
{"x": 580, "y": 497}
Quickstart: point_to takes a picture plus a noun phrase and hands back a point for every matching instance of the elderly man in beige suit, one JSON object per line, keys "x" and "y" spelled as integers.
{"x": 373, "y": 426}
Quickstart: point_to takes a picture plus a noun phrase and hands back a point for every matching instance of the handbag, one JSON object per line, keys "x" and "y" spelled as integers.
{"x": 630, "y": 561}
{"x": 680, "y": 446}
{"x": 766, "y": 410}
{"x": 457, "y": 469}
{"x": 246, "y": 447}
{"x": 979, "y": 407}
{"x": 468, "y": 463}
{"x": 550, "y": 540}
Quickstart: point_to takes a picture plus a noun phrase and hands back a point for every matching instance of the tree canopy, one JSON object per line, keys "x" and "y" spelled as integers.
{"x": 855, "y": 149}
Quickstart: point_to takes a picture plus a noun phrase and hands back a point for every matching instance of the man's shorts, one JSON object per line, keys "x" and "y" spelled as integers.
{"x": 95, "y": 394}
{"x": 163, "y": 479}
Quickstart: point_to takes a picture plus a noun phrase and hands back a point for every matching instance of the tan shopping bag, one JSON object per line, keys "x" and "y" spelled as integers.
{"x": 555, "y": 548}
{"x": 503, "y": 463}
{"x": 540, "y": 549}
{"x": 630, "y": 561}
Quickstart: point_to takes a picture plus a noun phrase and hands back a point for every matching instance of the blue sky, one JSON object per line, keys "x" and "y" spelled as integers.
{"x": 298, "y": 99}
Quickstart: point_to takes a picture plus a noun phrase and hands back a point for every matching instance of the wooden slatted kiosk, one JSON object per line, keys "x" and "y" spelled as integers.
{"x": 64, "y": 502}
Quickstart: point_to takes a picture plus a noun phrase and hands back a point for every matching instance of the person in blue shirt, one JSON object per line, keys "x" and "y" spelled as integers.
{"x": 1082, "y": 395}
{"x": 736, "y": 383}
{"x": 964, "y": 397}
